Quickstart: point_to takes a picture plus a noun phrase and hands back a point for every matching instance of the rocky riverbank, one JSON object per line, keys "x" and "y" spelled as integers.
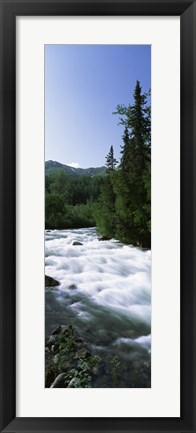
{"x": 71, "y": 363}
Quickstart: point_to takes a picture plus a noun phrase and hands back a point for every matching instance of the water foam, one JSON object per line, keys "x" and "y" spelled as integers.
{"x": 103, "y": 282}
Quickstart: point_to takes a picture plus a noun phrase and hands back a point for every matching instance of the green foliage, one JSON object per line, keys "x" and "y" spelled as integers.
{"x": 115, "y": 368}
{"x": 105, "y": 210}
{"x": 81, "y": 374}
{"x": 68, "y": 354}
{"x": 70, "y": 201}
{"x": 133, "y": 187}
{"x": 110, "y": 161}
{"x": 94, "y": 361}
{"x": 53, "y": 210}
{"x": 124, "y": 209}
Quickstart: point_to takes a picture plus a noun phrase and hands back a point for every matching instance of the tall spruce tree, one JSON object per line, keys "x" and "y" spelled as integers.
{"x": 105, "y": 214}
{"x": 132, "y": 183}
{"x": 110, "y": 161}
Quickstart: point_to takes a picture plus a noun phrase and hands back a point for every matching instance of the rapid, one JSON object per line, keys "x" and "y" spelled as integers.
{"x": 105, "y": 292}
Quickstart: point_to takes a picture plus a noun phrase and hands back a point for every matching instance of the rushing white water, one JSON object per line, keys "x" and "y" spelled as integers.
{"x": 105, "y": 288}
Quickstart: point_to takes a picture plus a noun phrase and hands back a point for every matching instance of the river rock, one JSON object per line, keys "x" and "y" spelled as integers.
{"x": 57, "y": 330}
{"x": 104, "y": 238}
{"x": 95, "y": 370}
{"x": 52, "y": 340}
{"x": 74, "y": 383}
{"x": 66, "y": 330}
{"x": 50, "y": 282}
{"x": 56, "y": 358}
{"x": 59, "y": 382}
{"x": 81, "y": 353}
{"x": 75, "y": 299}
{"x": 76, "y": 243}
{"x": 72, "y": 286}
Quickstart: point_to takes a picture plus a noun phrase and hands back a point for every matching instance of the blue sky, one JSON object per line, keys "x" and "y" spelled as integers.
{"x": 83, "y": 86}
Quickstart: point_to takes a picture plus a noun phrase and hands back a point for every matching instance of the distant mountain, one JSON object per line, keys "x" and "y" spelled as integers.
{"x": 54, "y": 166}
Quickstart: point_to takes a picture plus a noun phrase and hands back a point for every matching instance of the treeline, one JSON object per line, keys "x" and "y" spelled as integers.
{"x": 70, "y": 201}
{"x": 124, "y": 205}
{"x": 118, "y": 203}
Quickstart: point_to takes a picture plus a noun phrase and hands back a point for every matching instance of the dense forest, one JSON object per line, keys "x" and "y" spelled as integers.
{"x": 70, "y": 202}
{"x": 118, "y": 202}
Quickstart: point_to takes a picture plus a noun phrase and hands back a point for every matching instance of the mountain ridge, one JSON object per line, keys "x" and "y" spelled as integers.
{"x": 54, "y": 166}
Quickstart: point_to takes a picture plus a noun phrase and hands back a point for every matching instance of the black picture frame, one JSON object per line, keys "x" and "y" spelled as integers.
{"x": 9, "y": 10}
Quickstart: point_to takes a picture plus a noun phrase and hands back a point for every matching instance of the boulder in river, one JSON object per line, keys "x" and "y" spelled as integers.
{"x": 104, "y": 238}
{"x": 59, "y": 382}
{"x": 76, "y": 243}
{"x": 50, "y": 282}
{"x": 74, "y": 383}
{"x": 73, "y": 286}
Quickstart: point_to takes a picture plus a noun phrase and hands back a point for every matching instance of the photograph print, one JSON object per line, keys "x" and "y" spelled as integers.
{"x": 97, "y": 216}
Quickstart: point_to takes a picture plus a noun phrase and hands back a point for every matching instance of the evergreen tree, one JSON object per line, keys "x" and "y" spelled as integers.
{"x": 132, "y": 183}
{"x": 110, "y": 160}
{"x": 105, "y": 214}
{"x": 126, "y": 154}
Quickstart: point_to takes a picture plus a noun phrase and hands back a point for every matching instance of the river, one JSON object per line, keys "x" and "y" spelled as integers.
{"x": 105, "y": 291}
